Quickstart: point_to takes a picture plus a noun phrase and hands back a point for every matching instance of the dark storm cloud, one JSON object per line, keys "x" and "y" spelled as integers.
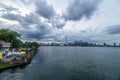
{"x": 29, "y": 23}
{"x": 10, "y": 16}
{"x": 115, "y": 29}
{"x": 81, "y": 8}
{"x": 43, "y": 9}
{"x": 59, "y": 25}
{"x": 30, "y": 26}
{"x": 8, "y": 8}
{"x": 38, "y": 34}
{"x": 58, "y": 22}
{"x": 47, "y": 11}
{"x": 24, "y": 21}
{"x": 27, "y": 2}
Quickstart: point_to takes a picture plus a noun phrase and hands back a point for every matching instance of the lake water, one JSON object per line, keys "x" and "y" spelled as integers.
{"x": 69, "y": 63}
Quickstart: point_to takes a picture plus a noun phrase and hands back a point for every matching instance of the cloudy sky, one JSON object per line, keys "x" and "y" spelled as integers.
{"x": 51, "y": 20}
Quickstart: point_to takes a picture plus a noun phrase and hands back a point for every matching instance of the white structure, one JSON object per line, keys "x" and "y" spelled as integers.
{"x": 6, "y": 45}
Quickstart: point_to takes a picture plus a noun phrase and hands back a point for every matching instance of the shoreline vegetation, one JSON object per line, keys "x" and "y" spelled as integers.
{"x": 13, "y": 52}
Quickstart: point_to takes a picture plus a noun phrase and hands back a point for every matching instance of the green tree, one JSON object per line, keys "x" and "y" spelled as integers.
{"x": 17, "y": 43}
{"x": 31, "y": 45}
{"x": 10, "y": 36}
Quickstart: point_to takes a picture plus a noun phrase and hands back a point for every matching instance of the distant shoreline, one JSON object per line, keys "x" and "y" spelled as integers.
{"x": 84, "y": 46}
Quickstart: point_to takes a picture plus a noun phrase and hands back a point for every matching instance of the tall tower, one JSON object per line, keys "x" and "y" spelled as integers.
{"x": 66, "y": 42}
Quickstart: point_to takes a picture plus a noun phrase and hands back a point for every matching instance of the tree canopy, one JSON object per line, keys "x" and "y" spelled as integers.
{"x": 10, "y": 36}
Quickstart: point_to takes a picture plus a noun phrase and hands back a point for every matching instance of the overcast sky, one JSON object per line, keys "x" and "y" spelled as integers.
{"x": 88, "y": 20}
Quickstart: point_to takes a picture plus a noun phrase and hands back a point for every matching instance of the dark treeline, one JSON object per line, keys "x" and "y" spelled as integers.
{"x": 30, "y": 45}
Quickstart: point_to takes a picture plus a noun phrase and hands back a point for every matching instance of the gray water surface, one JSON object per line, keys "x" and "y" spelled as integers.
{"x": 69, "y": 63}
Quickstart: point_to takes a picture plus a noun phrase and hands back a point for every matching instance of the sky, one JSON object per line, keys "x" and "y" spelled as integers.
{"x": 52, "y": 20}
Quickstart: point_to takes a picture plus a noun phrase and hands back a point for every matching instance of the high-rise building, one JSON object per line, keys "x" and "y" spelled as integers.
{"x": 114, "y": 44}
{"x": 66, "y": 39}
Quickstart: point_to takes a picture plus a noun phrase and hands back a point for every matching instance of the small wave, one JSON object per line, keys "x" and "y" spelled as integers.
{"x": 11, "y": 76}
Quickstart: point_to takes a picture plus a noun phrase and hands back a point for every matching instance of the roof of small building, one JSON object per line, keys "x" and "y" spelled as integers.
{"x": 6, "y": 44}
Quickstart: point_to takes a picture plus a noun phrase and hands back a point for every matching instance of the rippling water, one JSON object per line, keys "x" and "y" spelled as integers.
{"x": 69, "y": 63}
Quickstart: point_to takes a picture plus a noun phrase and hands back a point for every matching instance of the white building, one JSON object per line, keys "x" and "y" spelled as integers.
{"x": 6, "y": 45}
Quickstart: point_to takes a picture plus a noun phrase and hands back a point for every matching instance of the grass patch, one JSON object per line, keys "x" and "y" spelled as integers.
{"x": 4, "y": 65}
